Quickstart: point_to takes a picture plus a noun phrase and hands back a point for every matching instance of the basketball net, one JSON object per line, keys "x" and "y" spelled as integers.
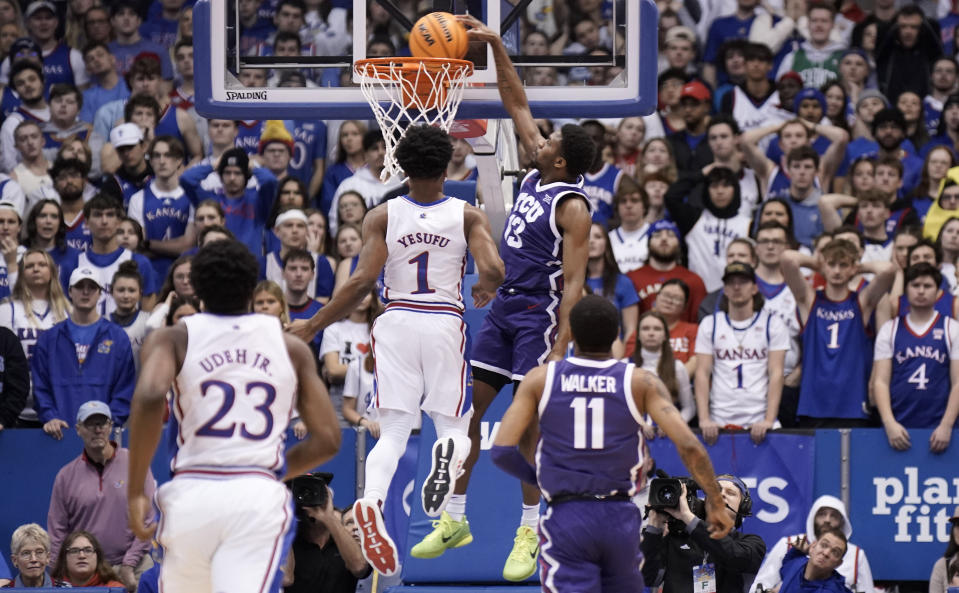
{"x": 406, "y": 92}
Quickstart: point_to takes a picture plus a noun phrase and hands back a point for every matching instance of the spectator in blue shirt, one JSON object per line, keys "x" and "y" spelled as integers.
{"x": 604, "y": 278}
{"x": 82, "y": 358}
{"x": 817, "y": 571}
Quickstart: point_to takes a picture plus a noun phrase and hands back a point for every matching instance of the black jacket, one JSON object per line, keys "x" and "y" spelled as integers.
{"x": 14, "y": 378}
{"x": 686, "y": 199}
{"x": 687, "y": 159}
{"x": 737, "y": 558}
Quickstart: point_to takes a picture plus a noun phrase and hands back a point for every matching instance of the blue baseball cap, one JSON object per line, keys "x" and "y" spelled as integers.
{"x": 664, "y": 225}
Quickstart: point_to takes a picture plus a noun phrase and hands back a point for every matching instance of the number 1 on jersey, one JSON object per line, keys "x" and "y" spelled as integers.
{"x": 422, "y": 262}
{"x": 833, "y": 329}
{"x": 580, "y": 414}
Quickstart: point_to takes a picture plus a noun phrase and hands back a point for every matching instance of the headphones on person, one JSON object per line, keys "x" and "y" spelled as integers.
{"x": 745, "y": 503}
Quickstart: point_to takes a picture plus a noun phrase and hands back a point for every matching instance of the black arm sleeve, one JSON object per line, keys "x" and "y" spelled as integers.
{"x": 652, "y": 545}
{"x": 737, "y": 552}
{"x": 16, "y": 378}
{"x": 683, "y": 213}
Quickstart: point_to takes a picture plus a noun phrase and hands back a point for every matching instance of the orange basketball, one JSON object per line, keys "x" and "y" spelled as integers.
{"x": 438, "y": 35}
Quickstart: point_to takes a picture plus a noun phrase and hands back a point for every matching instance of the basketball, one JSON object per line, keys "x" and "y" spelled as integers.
{"x": 438, "y": 35}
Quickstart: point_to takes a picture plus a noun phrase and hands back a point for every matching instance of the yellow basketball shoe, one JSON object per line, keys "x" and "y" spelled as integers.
{"x": 521, "y": 563}
{"x": 446, "y": 534}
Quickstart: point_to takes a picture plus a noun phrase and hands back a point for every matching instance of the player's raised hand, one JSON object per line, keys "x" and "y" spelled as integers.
{"x": 139, "y": 508}
{"x": 302, "y": 329}
{"x": 476, "y": 29}
{"x": 718, "y": 521}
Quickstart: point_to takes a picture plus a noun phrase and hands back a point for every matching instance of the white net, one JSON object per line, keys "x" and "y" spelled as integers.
{"x": 406, "y": 92}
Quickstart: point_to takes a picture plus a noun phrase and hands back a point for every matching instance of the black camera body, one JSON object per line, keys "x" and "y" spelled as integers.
{"x": 664, "y": 493}
{"x": 309, "y": 490}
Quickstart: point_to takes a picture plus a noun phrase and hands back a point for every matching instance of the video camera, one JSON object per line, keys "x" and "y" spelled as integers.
{"x": 309, "y": 490}
{"x": 665, "y": 492}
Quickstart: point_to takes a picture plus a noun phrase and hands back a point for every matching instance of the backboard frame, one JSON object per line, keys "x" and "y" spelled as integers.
{"x": 231, "y": 100}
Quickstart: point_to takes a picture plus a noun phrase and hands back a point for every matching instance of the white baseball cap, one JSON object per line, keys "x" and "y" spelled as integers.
{"x": 84, "y": 273}
{"x": 126, "y": 135}
{"x": 92, "y": 408}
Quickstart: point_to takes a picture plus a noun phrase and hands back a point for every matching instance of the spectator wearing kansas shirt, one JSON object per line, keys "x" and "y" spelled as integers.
{"x": 602, "y": 179}
{"x": 61, "y": 63}
{"x": 105, "y": 254}
{"x": 82, "y": 358}
{"x": 246, "y": 207}
{"x": 162, "y": 207}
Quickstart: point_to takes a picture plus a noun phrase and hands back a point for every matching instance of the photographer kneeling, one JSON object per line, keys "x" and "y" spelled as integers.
{"x": 326, "y": 558}
{"x": 679, "y": 551}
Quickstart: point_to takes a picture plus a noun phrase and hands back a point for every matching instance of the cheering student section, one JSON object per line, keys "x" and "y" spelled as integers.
{"x": 779, "y": 241}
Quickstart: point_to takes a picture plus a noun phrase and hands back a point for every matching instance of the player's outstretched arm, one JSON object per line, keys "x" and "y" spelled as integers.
{"x": 510, "y": 88}
{"x": 652, "y": 397}
{"x": 157, "y": 373}
{"x": 572, "y": 215}
{"x": 316, "y": 411}
{"x": 372, "y": 259}
{"x": 520, "y": 414}
{"x": 479, "y": 237}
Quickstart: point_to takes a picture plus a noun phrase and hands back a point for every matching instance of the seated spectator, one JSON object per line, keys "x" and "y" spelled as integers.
{"x": 222, "y": 135}
{"x": 817, "y": 570}
{"x": 656, "y": 184}
{"x": 81, "y": 563}
{"x": 69, "y": 177}
{"x": 130, "y": 235}
{"x": 46, "y": 231}
{"x": 79, "y": 503}
{"x": 671, "y": 304}
{"x": 129, "y": 44}
{"x": 912, "y": 367}
{"x": 343, "y": 342}
{"x": 827, "y": 513}
{"x": 657, "y": 156}
{"x": 604, "y": 278}
{"x": 734, "y": 26}
{"x": 291, "y": 194}
{"x": 268, "y": 299}
{"x": 107, "y": 84}
{"x": 349, "y": 241}
{"x": 276, "y": 148}
{"x": 692, "y": 154}
{"x": 318, "y": 240}
{"x": 906, "y": 54}
{"x": 602, "y": 179}
{"x": 246, "y": 206}
{"x": 181, "y": 307}
{"x": 144, "y": 79}
{"x": 723, "y": 135}
{"x": 629, "y": 139}
{"x": 910, "y": 104}
{"x": 937, "y": 163}
{"x": 358, "y": 407}
{"x": 740, "y": 351}
{"x": 82, "y": 358}
{"x": 96, "y": 27}
{"x": 837, "y": 101}
{"x": 655, "y": 354}
{"x": 61, "y": 63}
{"x": 630, "y": 240}
{"x": 946, "y": 205}
{"x": 669, "y": 117}
{"x": 30, "y": 551}
{"x": 946, "y": 568}
{"x": 816, "y": 60}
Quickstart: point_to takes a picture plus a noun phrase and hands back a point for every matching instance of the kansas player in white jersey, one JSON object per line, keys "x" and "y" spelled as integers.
{"x": 236, "y": 377}
{"x": 740, "y": 351}
{"x": 420, "y": 243}
{"x": 589, "y": 455}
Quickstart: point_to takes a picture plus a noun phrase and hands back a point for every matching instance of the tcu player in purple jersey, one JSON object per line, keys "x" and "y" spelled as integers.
{"x": 589, "y": 458}
{"x": 226, "y": 518}
{"x": 544, "y": 247}
{"x": 419, "y": 241}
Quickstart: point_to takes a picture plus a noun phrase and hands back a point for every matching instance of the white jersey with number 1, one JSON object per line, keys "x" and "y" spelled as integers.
{"x": 427, "y": 251}
{"x": 740, "y": 351}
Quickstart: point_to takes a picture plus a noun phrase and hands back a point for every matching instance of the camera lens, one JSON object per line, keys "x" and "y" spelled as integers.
{"x": 669, "y": 494}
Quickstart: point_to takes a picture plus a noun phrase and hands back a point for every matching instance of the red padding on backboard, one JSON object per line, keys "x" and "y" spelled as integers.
{"x": 468, "y": 128}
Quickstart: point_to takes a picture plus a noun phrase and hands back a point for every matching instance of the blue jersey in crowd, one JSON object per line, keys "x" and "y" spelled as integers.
{"x": 920, "y": 383}
{"x": 837, "y": 358}
{"x": 600, "y": 187}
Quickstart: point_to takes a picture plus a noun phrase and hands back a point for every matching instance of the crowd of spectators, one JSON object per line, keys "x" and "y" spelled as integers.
{"x": 792, "y": 202}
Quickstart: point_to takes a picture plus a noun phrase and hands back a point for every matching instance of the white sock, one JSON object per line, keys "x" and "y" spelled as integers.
{"x": 456, "y": 508}
{"x": 395, "y": 427}
{"x": 530, "y": 515}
